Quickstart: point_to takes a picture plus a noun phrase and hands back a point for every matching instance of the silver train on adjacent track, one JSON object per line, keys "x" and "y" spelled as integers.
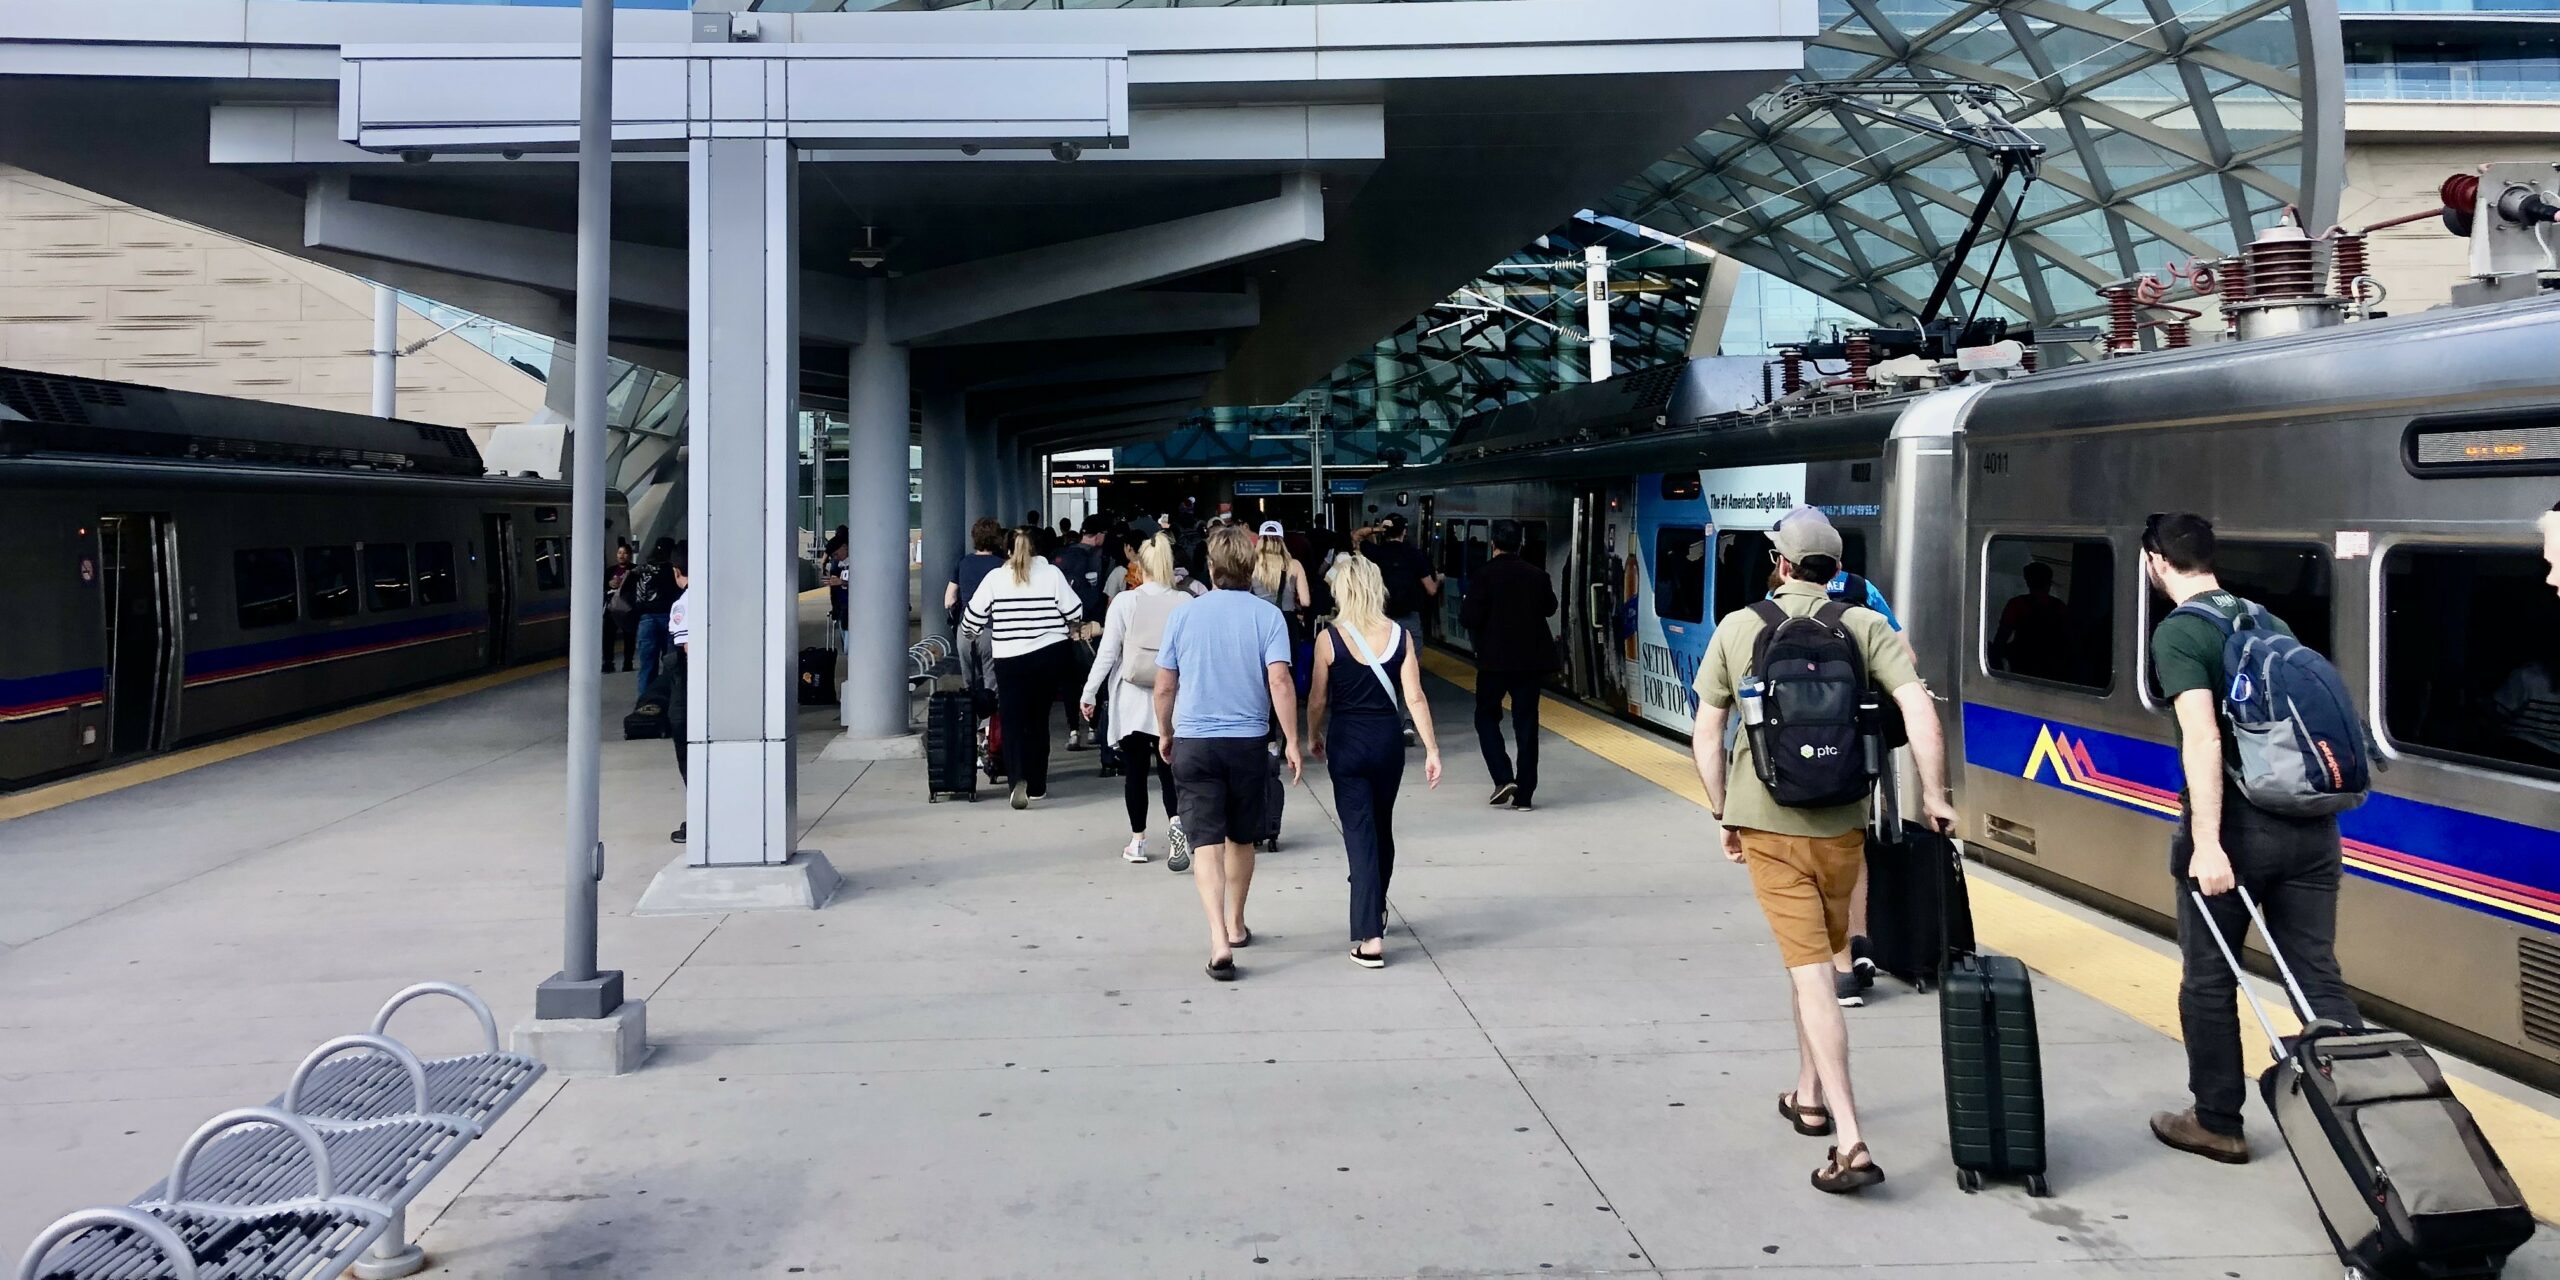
{"x": 179, "y": 567}
{"x": 2376, "y": 485}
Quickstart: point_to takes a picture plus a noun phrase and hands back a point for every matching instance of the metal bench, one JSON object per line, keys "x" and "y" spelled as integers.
{"x": 317, "y": 1181}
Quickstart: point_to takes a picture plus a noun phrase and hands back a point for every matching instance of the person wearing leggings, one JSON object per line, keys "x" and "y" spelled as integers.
{"x": 1025, "y": 609}
{"x": 1125, "y": 664}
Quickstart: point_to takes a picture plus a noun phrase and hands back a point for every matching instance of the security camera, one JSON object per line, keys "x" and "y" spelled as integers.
{"x": 1067, "y": 151}
{"x": 512, "y": 154}
{"x": 414, "y": 156}
{"x": 970, "y": 148}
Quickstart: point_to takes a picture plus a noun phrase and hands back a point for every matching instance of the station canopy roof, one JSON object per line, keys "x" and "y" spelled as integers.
{"x": 2173, "y": 129}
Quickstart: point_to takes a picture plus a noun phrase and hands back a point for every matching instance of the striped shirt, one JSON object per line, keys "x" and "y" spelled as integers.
{"x": 1021, "y": 617}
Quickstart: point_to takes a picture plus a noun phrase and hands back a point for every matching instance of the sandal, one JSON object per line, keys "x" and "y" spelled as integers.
{"x": 1844, "y": 1176}
{"x": 1817, "y": 1128}
{"x": 1245, "y": 941}
{"x": 1223, "y": 970}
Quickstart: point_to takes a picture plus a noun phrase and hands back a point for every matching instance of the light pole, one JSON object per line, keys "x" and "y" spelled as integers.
{"x": 580, "y": 990}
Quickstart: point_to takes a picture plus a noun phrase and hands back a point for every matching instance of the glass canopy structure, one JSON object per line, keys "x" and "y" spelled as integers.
{"x": 2173, "y": 129}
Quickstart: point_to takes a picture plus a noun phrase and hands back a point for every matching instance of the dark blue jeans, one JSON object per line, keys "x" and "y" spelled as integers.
{"x": 653, "y": 651}
{"x": 2292, "y": 867}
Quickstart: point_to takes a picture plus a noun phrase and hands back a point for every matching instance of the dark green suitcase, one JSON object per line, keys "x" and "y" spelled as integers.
{"x": 1995, "y": 1074}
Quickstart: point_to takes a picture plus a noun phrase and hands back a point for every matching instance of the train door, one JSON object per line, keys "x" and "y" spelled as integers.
{"x": 498, "y": 535}
{"x": 138, "y": 578}
{"x": 1593, "y": 592}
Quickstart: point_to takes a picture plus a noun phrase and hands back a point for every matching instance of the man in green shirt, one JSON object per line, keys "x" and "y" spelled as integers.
{"x": 2291, "y": 865}
{"x": 1804, "y": 863}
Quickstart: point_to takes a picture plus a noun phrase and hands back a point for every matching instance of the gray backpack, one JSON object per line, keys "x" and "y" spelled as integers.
{"x": 1148, "y": 614}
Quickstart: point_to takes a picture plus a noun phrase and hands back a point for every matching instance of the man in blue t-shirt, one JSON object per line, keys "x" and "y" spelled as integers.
{"x": 1223, "y": 678}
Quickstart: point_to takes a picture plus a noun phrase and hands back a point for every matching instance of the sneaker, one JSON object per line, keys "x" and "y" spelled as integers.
{"x": 677, "y": 835}
{"x": 2181, "y": 1129}
{"x": 1021, "y": 795}
{"x": 1520, "y": 804}
{"x": 1075, "y": 740}
{"x": 1177, "y": 849}
{"x": 1845, "y": 986}
{"x": 1502, "y": 794}
{"x": 1861, "y": 962}
{"x": 1137, "y": 850}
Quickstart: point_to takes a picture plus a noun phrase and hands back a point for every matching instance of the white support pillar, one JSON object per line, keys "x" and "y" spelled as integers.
{"x": 744, "y": 372}
{"x": 1595, "y": 273}
{"x": 873, "y": 701}
{"x": 386, "y": 351}
{"x": 946, "y": 511}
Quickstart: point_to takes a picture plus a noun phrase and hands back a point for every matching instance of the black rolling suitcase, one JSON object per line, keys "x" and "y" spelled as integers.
{"x": 817, "y": 677}
{"x": 1994, "y": 1071}
{"x": 1917, "y": 912}
{"x": 648, "y": 720}
{"x": 950, "y": 746}
{"x": 1275, "y": 801}
{"x": 2405, "y": 1182}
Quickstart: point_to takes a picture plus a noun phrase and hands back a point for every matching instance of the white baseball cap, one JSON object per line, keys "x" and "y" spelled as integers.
{"x": 1272, "y": 529}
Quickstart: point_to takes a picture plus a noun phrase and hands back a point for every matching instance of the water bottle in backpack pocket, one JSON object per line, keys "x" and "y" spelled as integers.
{"x": 2301, "y": 746}
{"x": 1811, "y": 746}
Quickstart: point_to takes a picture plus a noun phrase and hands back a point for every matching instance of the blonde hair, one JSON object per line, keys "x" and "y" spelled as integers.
{"x": 1155, "y": 560}
{"x": 1231, "y": 556}
{"x": 1020, "y": 561}
{"x": 1359, "y": 593}
{"x": 1271, "y": 565}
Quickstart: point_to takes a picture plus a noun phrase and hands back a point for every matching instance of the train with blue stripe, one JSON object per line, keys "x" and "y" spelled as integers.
{"x": 2375, "y": 484}
{"x": 181, "y": 567}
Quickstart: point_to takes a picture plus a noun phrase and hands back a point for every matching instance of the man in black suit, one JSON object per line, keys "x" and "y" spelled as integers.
{"x": 1505, "y": 612}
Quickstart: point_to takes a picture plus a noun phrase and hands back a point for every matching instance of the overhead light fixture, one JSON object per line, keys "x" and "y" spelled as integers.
{"x": 870, "y": 249}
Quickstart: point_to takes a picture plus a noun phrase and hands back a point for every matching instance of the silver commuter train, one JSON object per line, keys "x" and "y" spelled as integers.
{"x": 2375, "y": 485}
{"x": 179, "y": 567}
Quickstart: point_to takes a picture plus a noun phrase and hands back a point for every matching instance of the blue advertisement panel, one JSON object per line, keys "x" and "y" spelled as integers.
{"x": 1679, "y": 554}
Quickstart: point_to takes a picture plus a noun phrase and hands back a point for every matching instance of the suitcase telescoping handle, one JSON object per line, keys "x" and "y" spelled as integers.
{"x": 2240, "y": 977}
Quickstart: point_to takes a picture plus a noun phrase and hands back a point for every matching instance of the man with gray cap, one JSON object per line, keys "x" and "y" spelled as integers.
{"x": 1805, "y": 857}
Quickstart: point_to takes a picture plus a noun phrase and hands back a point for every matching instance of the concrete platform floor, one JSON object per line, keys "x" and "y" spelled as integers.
{"x": 995, "y": 1054}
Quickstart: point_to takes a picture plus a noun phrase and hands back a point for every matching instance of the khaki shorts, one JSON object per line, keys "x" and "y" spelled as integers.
{"x": 1803, "y": 884}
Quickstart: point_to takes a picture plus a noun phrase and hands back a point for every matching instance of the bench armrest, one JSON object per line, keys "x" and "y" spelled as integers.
{"x": 182, "y": 1263}
{"x": 409, "y": 1064}
{"x": 479, "y": 1009}
{"x": 322, "y": 1184}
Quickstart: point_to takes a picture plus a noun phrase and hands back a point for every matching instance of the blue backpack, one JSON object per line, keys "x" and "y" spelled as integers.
{"x": 2303, "y": 749}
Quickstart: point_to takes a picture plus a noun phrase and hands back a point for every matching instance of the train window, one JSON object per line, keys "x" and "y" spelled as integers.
{"x": 435, "y": 573}
{"x": 329, "y": 582}
{"x": 2049, "y": 608}
{"x": 2290, "y": 578}
{"x": 1744, "y": 571}
{"x": 1449, "y": 561}
{"x": 550, "y": 564}
{"x": 1479, "y": 545}
{"x": 1682, "y": 486}
{"x": 386, "y": 576}
{"x": 262, "y": 582}
{"x": 1680, "y": 574}
{"x": 1533, "y": 542}
{"x": 2471, "y": 656}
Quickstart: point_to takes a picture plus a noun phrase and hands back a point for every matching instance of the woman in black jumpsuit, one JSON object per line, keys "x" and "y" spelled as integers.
{"x": 1355, "y": 714}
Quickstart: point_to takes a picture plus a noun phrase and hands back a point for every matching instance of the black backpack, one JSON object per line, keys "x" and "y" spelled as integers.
{"x": 656, "y": 589}
{"x": 1402, "y": 569}
{"x": 1815, "y": 744}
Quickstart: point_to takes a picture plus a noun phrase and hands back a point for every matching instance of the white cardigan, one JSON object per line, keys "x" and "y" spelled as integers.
{"x": 1132, "y": 709}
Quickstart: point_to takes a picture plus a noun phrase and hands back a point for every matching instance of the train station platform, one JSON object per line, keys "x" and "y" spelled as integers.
{"x": 994, "y": 1054}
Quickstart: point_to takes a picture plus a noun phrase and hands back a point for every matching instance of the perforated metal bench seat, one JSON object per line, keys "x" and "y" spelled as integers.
{"x": 308, "y": 1244}
{"x": 296, "y": 1190}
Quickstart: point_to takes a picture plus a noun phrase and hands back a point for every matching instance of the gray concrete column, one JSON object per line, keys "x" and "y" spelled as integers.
{"x": 1008, "y": 486}
{"x": 874, "y": 698}
{"x": 946, "y": 511}
{"x": 982, "y": 494}
{"x": 745, "y": 375}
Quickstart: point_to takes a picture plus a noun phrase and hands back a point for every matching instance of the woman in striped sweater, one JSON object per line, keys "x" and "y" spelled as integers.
{"x": 1025, "y": 610}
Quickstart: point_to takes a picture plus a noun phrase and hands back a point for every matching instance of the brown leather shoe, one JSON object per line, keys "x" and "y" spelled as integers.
{"x": 2182, "y": 1130}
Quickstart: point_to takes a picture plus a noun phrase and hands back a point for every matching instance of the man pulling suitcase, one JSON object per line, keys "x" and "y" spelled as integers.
{"x": 1798, "y": 665}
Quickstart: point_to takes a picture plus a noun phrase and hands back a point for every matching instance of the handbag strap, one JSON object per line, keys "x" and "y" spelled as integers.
{"x": 1369, "y": 659}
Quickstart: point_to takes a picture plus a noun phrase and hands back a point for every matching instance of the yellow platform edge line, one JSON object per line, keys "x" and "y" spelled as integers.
{"x": 2117, "y": 972}
{"x": 106, "y": 781}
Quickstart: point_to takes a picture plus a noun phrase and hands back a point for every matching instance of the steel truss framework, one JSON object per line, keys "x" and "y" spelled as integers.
{"x": 2173, "y": 130}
